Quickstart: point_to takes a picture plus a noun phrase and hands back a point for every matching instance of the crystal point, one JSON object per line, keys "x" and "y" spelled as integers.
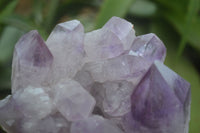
{"x": 148, "y": 46}
{"x": 31, "y": 61}
{"x": 156, "y": 107}
{"x": 66, "y": 44}
{"x": 123, "y": 29}
{"x": 102, "y": 44}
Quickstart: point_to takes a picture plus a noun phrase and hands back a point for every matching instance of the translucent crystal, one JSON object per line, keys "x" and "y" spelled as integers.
{"x": 110, "y": 41}
{"x": 148, "y": 46}
{"x": 123, "y": 29}
{"x": 72, "y": 100}
{"x": 53, "y": 123}
{"x": 124, "y": 67}
{"x": 113, "y": 97}
{"x": 9, "y": 114}
{"x": 66, "y": 44}
{"x": 32, "y": 61}
{"x": 160, "y": 103}
{"x": 102, "y": 44}
{"x": 34, "y": 103}
{"x": 94, "y": 124}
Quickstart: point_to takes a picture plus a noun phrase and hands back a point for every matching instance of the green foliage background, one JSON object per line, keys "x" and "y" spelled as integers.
{"x": 176, "y": 22}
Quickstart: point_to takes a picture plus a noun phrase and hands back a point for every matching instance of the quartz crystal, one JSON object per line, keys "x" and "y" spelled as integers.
{"x": 113, "y": 97}
{"x": 160, "y": 103}
{"x": 72, "y": 100}
{"x": 104, "y": 81}
{"x": 122, "y": 29}
{"x": 32, "y": 62}
{"x": 66, "y": 44}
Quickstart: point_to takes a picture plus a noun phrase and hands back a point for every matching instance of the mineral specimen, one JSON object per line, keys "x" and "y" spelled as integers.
{"x": 104, "y": 81}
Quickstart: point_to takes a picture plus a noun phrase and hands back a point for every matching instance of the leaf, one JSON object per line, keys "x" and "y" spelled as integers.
{"x": 38, "y": 7}
{"x": 112, "y": 8}
{"x": 9, "y": 37}
{"x": 186, "y": 22}
{"x": 8, "y": 9}
{"x": 191, "y": 16}
{"x": 143, "y": 8}
{"x": 18, "y": 22}
{"x": 53, "y": 5}
{"x": 5, "y": 82}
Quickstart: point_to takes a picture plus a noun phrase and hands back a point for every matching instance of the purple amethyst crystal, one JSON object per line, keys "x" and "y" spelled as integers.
{"x": 66, "y": 44}
{"x": 32, "y": 61}
{"x": 104, "y": 81}
{"x": 160, "y": 103}
{"x": 148, "y": 46}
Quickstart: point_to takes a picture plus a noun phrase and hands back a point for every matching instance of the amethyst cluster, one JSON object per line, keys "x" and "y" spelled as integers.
{"x": 104, "y": 81}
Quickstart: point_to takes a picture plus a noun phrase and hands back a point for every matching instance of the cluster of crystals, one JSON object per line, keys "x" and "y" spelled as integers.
{"x": 104, "y": 81}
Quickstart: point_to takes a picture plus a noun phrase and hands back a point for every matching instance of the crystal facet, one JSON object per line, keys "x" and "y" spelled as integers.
{"x": 113, "y": 97}
{"x": 148, "y": 46}
{"x": 123, "y": 29}
{"x": 73, "y": 101}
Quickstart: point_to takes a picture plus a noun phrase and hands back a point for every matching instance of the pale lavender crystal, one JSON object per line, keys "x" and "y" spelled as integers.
{"x": 54, "y": 123}
{"x": 9, "y": 115}
{"x": 73, "y": 101}
{"x": 113, "y": 97}
{"x": 124, "y": 67}
{"x": 148, "y": 46}
{"x": 102, "y": 44}
{"x": 128, "y": 66}
{"x": 110, "y": 41}
{"x": 94, "y": 124}
{"x": 85, "y": 79}
{"x": 34, "y": 103}
{"x": 123, "y": 29}
{"x": 66, "y": 44}
{"x": 132, "y": 65}
{"x": 160, "y": 103}
{"x": 32, "y": 61}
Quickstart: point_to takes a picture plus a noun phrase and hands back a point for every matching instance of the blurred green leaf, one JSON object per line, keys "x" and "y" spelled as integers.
{"x": 18, "y": 22}
{"x": 8, "y": 9}
{"x": 38, "y": 6}
{"x": 53, "y": 5}
{"x": 183, "y": 15}
{"x": 176, "y": 6}
{"x": 143, "y": 8}
{"x": 191, "y": 17}
{"x": 9, "y": 37}
{"x": 112, "y": 8}
{"x": 5, "y": 82}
